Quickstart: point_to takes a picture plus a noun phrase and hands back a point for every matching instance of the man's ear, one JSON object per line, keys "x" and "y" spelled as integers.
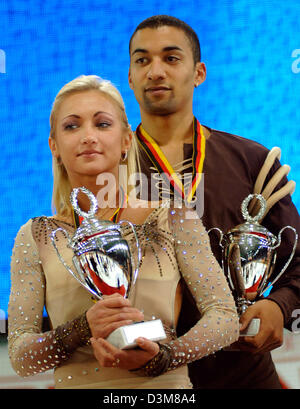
{"x": 129, "y": 79}
{"x": 200, "y": 73}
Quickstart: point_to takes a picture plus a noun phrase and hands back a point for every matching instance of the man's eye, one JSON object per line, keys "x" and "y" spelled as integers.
{"x": 172, "y": 58}
{"x": 141, "y": 60}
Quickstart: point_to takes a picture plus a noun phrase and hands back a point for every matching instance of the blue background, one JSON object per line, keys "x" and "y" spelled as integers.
{"x": 251, "y": 49}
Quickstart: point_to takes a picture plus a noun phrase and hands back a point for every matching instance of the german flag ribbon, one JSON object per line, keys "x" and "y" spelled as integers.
{"x": 163, "y": 166}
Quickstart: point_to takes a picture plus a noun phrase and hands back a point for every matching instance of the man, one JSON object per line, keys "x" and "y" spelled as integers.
{"x": 165, "y": 68}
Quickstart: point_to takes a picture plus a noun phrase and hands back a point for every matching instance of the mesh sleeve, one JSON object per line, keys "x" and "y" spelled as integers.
{"x": 218, "y": 326}
{"x": 30, "y": 350}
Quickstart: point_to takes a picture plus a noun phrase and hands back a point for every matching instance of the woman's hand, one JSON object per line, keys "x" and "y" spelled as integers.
{"x": 109, "y": 356}
{"x": 112, "y": 312}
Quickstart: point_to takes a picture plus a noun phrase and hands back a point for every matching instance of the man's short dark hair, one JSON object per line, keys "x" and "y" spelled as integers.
{"x": 164, "y": 20}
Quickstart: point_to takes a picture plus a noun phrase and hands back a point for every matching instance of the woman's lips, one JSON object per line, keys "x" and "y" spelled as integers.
{"x": 89, "y": 153}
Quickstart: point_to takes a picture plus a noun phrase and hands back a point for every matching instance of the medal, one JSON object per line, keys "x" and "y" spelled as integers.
{"x": 165, "y": 169}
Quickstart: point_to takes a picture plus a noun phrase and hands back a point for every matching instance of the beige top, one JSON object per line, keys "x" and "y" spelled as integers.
{"x": 172, "y": 246}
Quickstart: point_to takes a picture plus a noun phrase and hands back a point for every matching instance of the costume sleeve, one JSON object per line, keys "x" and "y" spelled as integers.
{"x": 31, "y": 351}
{"x": 219, "y": 325}
{"x": 286, "y": 291}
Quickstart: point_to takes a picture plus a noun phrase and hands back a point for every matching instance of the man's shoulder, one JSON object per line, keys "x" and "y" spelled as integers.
{"x": 235, "y": 141}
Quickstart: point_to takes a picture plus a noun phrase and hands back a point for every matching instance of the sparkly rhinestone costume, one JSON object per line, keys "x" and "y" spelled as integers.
{"x": 174, "y": 247}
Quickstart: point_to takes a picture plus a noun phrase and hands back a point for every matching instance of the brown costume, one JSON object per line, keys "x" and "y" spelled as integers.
{"x": 231, "y": 167}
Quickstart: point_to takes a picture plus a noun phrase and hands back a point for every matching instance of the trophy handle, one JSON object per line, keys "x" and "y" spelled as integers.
{"x": 94, "y": 205}
{"x": 263, "y": 207}
{"x": 139, "y": 251}
{"x": 220, "y": 243}
{"x": 52, "y": 237}
{"x": 290, "y": 258}
{"x": 221, "y": 235}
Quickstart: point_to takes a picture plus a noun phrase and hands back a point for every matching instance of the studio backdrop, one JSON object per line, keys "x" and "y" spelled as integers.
{"x": 251, "y": 49}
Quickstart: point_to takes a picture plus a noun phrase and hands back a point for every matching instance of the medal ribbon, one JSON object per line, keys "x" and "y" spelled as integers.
{"x": 114, "y": 218}
{"x": 164, "y": 167}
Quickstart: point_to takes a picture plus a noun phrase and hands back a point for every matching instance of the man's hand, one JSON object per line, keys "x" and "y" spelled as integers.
{"x": 270, "y": 335}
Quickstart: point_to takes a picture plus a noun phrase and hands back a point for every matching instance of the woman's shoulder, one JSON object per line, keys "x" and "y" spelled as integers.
{"x": 40, "y": 227}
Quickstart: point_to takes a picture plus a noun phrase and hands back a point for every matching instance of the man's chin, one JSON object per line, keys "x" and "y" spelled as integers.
{"x": 159, "y": 109}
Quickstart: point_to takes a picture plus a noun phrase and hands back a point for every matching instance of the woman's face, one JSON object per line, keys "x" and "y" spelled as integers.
{"x": 89, "y": 135}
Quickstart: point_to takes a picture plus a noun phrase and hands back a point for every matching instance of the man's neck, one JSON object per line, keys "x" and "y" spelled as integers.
{"x": 169, "y": 129}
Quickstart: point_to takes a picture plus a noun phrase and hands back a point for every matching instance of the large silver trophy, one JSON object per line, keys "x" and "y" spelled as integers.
{"x": 104, "y": 265}
{"x": 248, "y": 259}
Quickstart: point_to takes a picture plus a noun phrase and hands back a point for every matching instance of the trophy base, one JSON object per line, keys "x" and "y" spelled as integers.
{"x": 124, "y": 337}
{"x": 252, "y": 329}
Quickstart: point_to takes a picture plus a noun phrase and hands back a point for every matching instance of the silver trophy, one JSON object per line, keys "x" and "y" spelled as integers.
{"x": 104, "y": 264}
{"x": 248, "y": 259}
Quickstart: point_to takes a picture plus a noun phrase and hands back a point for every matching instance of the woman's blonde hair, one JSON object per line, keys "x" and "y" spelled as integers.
{"x": 61, "y": 184}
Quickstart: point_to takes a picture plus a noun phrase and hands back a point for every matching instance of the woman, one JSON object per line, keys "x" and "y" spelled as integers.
{"x": 90, "y": 137}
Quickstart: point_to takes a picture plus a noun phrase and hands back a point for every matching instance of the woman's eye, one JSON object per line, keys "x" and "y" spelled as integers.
{"x": 103, "y": 124}
{"x": 70, "y": 126}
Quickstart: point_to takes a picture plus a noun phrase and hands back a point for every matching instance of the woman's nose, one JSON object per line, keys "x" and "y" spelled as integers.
{"x": 89, "y": 135}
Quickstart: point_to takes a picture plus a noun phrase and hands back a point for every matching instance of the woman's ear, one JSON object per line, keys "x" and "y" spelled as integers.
{"x": 53, "y": 147}
{"x": 127, "y": 140}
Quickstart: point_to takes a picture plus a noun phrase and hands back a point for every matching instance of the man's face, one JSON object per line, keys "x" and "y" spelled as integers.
{"x": 162, "y": 71}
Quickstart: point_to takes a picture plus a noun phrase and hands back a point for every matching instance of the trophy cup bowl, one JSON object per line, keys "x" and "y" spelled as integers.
{"x": 248, "y": 259}
{"x": 104, "y": 264}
